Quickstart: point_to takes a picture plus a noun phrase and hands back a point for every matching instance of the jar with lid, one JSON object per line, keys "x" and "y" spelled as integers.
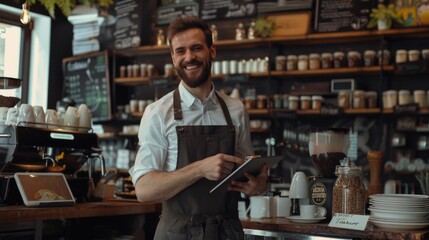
{"x": 390, "y": 99}
{"x": 302, "y": 62}
{"x": 353, "y": 59}
{"x": 280, "y": 63}
{"x": 371, "y": 99}
{"x": 327, "y": 60}
{"x": 401, "y": 56}
{"x": 292, "y": 63}
{"x": 369, "y": 58}
{"x": 316, "y": 101}
{"x": 425, "y": 57}
{"x": 344, "y": 99}
{"x": 420, "y": 98}
{"x": 383, "y": 57}
{"x": 293, "y": 102}
{"x": 339, "y": 60}
{"x": 348, "y": 191}
{"x": 358, "y": 99}
{"x": 305, "y": 102}
{"x": 413, "y": 55}
{"x": 314, "y": 62}
{"x": 404, "y": 97}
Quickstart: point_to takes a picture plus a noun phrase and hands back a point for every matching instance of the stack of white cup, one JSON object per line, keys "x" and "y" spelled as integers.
{"x": 27, "y": 115}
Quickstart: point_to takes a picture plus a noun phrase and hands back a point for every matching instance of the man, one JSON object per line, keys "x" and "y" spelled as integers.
{"x": 191, "y": 139}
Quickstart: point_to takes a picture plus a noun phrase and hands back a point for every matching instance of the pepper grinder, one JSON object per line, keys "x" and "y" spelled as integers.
{"x": 375, "y": 159}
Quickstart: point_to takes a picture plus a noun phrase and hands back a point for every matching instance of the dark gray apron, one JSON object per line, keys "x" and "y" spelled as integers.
{"x": 195, "y": 213}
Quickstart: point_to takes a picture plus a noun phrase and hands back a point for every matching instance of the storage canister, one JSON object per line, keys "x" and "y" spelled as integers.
{"x": 280, "y": 63}
{"x": 348, "y": 191}
{"x": 314, "y": 62}
{"x": 292, "y": 63}
{"x": 401, "y": 56}
{"x": 390, "y": 98}
{"x": 413, "y": 55}
{"x": 344, "y": 99}
{"x": 327, "y": 60}
{"x": 302, "y": 62}
{"x": 358, "y": 99}
{"x": 404, "y": 97}
{"x": 316, "y": 102}
{"x": 293, "y": 102}
{"x": 383, "y": 57}
{"x": 261, "y": 101}
{"x": 353, "y": 59}
{"x": 339, "y": 60}
{"x": 369, "y": 58}
{"x": 305, "y": 102}
{"x": 371, "y": 99}
{"x": 420, "y": 98}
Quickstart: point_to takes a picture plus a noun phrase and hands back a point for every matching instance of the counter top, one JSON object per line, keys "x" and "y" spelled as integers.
{"x": 282, "y": 225}
{"x": 18, "y": 213}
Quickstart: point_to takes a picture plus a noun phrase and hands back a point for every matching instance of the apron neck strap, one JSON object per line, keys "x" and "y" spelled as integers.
{"x": 178, "y": 108}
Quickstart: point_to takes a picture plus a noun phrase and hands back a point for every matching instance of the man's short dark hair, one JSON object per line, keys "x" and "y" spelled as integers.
{"x": 181, "y": 24}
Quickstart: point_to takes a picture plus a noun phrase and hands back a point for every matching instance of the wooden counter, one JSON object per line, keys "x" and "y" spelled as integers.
{"x": 282, "y": 227}
{"x": 79, "y": 210}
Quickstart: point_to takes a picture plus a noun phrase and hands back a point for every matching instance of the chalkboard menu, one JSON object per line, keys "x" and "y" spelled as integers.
{"x": 207, "y": 10}
{"x": 341, "y": 15}
{"x": 86, "y": 80}
{"x": 127, "y": 23}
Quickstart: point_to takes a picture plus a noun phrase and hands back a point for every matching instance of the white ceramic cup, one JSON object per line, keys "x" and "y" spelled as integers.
{"x": 84, "y": 118}
{"x": 26, "y": 113}
{"x": 299, "y": 187}
{"x": 39, "y": 114}
{"x": 52, "y": 118}
{"x": 3, "y": 114}
{"x": 259, "y": 207}
{"x": 312, "y": 211}
{"x": 71, "y": 118}
{"x": 12, "y": 116}
{"x": 242, "y": 213}
{"x": 283, "y": 206}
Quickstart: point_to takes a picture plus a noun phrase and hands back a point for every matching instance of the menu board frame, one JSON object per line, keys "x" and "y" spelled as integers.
{"x": 85, "y": 73}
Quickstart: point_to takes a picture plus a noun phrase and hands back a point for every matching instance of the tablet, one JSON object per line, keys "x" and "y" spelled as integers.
{"x": 252, "y": 166}
{"x": 44, "y": 189}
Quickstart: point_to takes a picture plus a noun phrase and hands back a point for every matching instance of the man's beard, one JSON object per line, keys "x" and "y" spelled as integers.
{"x": 201, "y": 79}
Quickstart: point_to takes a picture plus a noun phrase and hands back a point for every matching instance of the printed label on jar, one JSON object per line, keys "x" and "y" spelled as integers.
{"x": 318, "y": 194}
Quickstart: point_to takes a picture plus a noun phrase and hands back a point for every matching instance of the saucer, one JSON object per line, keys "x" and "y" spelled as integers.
{"x": 299, "y": 219}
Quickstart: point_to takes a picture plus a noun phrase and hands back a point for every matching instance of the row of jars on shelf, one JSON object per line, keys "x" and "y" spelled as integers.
{"x": 341, "y": 59}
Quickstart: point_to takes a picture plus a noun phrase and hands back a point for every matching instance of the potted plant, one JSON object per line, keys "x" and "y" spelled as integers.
{"x": 66, "y": 6}
{"x": 264, "y": 27}
{"x": 383, "y": 17}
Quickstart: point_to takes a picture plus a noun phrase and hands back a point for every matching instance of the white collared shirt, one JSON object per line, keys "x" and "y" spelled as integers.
{"x": 157, "y": 132}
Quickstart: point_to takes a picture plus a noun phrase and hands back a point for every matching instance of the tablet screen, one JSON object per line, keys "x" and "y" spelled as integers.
{"x": 39, "y": 189}
{"x": 251, "y": 166}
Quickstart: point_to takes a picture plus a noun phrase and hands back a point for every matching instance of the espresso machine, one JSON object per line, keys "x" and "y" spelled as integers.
{"x": 49, "y": 148}
{"x": 327, "y": 147}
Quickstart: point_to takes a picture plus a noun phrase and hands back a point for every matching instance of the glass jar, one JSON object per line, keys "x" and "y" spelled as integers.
{"x": 339, "y": 60}
{"x": 401, "y": 56}
{"x": 280, "y": 63}
{"x": 369, "y": 58}
{"x": 293, "y": 102}
{"x": 420, "y": 98}
{"x": 305, "y": 102}
{"x": 358, "y": 99}
{"x": 390, "y": 99}
{"x": 314, "y": 62}
{"x": 413, "y": 55}
{"x": 327, "y": 60}
{"x": 344, "y": 99}
{"x": 348, "y": 191}
{"x": 302, "y": 62}
{"x": 353, "y": 59}
{"x": 292, "y": 63}
{"x": 316, "y": 102}
{"x": 383, "y": 57}
{"x": 404, "y": 97}
{"x": 371, "y": 99}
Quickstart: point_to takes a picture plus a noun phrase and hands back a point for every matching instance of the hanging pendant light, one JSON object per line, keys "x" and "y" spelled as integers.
{"x": 25, "y": 16}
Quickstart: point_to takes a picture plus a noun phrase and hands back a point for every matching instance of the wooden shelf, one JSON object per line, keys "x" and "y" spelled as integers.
{"x": 308, "y": 39}
{"x": 332, "y": 71}
{"x": 132, "y": 81}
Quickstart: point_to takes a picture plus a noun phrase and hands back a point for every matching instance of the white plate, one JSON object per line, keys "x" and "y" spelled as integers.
{"x": 399, "y": 225}
{"x": 400, "y": 197}
{"x": 299, "y": 219}
{"x": 392, "y": 214}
